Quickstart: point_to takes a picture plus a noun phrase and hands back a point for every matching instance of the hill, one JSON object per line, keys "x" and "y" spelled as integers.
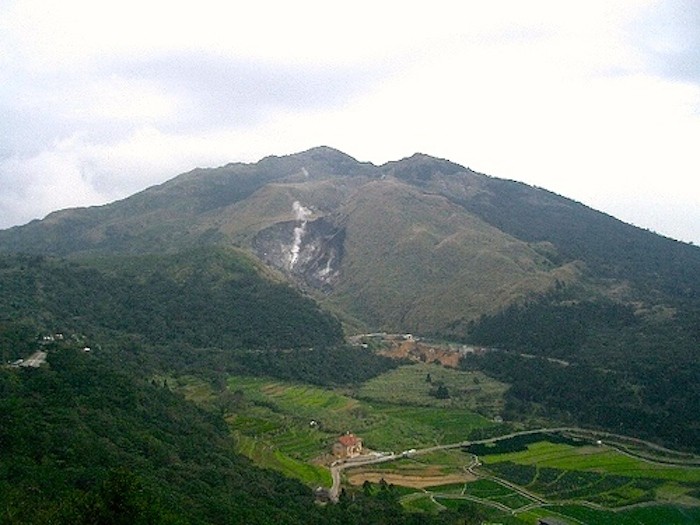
{"x": 419, "y": 245}
{"x": 383, "y": 242}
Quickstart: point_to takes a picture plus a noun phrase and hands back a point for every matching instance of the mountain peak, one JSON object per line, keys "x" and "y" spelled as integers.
{"x": 420, "y": 168}
{"x": 324, "y": 160}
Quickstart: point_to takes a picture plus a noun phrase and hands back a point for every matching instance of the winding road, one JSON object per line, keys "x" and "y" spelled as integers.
{"x": 336, "y": 468}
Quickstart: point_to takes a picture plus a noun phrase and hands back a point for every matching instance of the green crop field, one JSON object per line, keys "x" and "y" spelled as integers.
{"x": 575, "y": 481}
{"x": 602, "y": 476}
{"x": 448, "y": 425}
{"x": 420, "y": 503}
{"x": 593, "y": 458}
{"x": 656, "y": 515}
{"x": 268, "y": 456}
{"x": 383, "y": 426}
{"x": 487, "y": 489}
{"x": 407, "y": 385}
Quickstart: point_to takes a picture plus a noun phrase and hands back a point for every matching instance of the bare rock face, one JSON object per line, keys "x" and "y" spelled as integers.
{"x": 308, "y": 251}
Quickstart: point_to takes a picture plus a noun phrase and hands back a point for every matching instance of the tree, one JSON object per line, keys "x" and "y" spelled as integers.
{"x": 442, "y": 392}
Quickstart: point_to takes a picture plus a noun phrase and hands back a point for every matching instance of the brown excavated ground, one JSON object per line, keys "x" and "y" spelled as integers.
{"x": 415, "y": 351}
{"x": 405, "y": 480}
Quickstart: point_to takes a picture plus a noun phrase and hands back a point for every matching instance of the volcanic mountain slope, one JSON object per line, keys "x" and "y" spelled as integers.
{"x": 421, "y": 244}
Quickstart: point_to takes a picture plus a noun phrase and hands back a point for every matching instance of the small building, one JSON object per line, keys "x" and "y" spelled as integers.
{"x": 347, "y": 446}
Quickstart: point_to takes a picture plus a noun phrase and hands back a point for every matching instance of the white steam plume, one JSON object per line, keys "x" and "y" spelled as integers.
{"x": 302, "y": 215}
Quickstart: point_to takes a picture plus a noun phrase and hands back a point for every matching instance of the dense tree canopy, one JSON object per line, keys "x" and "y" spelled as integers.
{"x": 610, "y": 372}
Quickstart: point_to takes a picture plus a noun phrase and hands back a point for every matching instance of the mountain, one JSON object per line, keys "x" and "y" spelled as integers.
{"x": 420, "y": 244}
{"x": 425, "y": 246}
{"x": 145, "y": 304}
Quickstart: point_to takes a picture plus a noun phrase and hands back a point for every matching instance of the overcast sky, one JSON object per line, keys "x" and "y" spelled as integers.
{"x": 598, "y": 101}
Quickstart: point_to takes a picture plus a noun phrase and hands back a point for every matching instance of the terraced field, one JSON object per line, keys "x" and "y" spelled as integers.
{"x": 290, "y": 427}
{"x": 382, "y": 426}
{"x": 578, "y": 490}
{"x": 594, "y": 458}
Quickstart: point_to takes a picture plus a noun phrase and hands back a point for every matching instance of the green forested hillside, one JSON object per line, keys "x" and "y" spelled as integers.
{"x": 99, "y": 437}
{"x": 204, "y": 312}
{"x": 221, "y": 271}
{"x": 202, "y": 298}
{"x": 85, "y": 444}
{"x": 610, "y": 248}
{"x": 631, "y": 373}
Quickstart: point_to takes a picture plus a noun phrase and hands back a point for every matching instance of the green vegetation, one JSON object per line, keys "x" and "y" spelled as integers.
{"x": 659, "y": 515}
{"x": 203, "y": 312}
{"x": 595, "y": 458}
{"x": 551, "y": 466}
{"x": 264, "y": 455}
{"x": 85, "y": 443}
{"x": 596, "y": 474}
{"x": 609, "y": 247}
{"x": 203, "y": 298}
{"x": 423, "y": 504}
{"x": 416, "y": 262}
{"x": 618, "y": 379}
{"x": 201, "y": 356}
{"x": 407, "y": 385}
{"x": 292, "y": 406}
{"x": 524, "y": 478}
{"x": 78, "y": 435}
{"x": 492, "y": 491}
{"x": 430, "y": 426}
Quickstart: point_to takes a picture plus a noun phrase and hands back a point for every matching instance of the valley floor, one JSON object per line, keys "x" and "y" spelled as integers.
{"x": 441, "y": 453}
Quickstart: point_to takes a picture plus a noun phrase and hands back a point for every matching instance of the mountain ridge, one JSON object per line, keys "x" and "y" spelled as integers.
{"x": 417, "y": 199}
{"x": 426, "y": 246}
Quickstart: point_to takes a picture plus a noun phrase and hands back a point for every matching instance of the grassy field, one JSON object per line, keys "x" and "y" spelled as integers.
{"x": 382, "y": 426}
{"x": 657, "y": 515}
{"x": 601, "y": 475}
{"x": 268, "y": 456}
{"x": 575, "y": 488}
{"x": 579, "y": 483}
{"x": 594, "y": 458}
{"x": 422, "y": 503}
{"x": 407, "y": 385}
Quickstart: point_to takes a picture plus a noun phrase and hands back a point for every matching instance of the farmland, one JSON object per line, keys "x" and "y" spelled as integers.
{"x": 600, "y": 458}
{"x": 275, "y": 410}
{"x": 290, "y": 427}
{"x": 410, "y": 385}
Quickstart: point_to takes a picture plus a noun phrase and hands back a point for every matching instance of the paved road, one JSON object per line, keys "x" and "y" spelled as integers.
{"x": 368, "y": 460}
{"x": 359, "y": 461}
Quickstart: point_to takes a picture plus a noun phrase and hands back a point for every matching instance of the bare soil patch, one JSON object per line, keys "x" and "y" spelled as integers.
{"x": 406, "y": 480}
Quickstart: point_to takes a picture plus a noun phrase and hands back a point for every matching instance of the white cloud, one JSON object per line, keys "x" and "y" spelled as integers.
{"x": 51, "y": 180}
{"x": 598, "y": 101}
